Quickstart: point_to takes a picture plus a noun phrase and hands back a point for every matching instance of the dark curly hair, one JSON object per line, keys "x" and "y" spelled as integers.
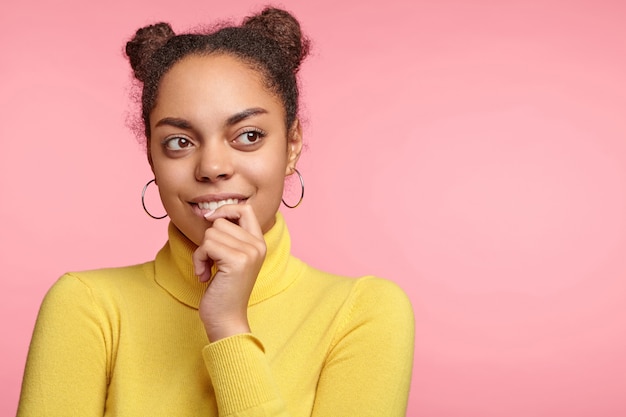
{"x": 271, "y": 42}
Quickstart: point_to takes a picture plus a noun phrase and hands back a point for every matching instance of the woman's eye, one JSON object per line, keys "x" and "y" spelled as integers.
{"x": 251, "y": 137}
{"x": 177, "y": 143}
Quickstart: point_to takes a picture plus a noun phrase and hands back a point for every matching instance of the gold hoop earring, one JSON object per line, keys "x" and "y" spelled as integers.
{"x": 143, "y": 202}
{"x": 301, "y": 194}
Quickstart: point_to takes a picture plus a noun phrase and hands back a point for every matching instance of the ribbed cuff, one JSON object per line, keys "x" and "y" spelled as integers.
{"x": 240, "y": 373}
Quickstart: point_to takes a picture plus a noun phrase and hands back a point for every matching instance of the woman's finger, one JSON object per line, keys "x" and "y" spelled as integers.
{"x": 240, "y": 234}
{"x": 242, "y": 214}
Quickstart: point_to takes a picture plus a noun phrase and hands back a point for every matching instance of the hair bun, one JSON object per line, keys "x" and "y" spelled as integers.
{"x": 282, "y": 27}
{"x": 143, "y": 45}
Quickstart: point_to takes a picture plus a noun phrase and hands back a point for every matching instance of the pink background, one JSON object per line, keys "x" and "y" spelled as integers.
{"x": 471, "y": 151}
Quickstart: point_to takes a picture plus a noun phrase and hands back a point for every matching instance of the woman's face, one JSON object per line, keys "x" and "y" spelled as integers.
{"x": 218, "y": 135}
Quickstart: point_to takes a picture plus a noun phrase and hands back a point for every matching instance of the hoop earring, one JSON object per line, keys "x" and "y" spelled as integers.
{"x": 301, "y": 194}
{"x": 143, "y": 202}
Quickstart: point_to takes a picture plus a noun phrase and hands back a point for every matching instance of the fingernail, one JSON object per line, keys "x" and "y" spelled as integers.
{"x": 209, "y": 214}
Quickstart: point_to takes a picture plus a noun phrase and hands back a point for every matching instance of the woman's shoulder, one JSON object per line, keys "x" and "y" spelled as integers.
{"x": 112, "y": 275}
{"x": 365, "y": 283}
{"x": 375, "y": 297}
{"x": 109, "y": 273}
{"x": 99, "y": 282}
{"x": 368, "y": 294}
{"x": 93, "y": 297}
{"x": 368, "y": 313}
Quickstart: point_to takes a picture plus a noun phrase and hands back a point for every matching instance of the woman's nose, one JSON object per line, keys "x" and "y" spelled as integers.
{"x": 214, "y": 162}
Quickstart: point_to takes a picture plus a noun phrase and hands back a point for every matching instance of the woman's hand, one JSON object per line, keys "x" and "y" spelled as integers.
{"x": 234, "y": 249}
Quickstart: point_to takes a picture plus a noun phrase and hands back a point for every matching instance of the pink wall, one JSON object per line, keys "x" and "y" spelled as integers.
{"x": 472, "y": 151}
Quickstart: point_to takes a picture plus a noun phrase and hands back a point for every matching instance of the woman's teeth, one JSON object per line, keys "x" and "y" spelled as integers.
{"x": 214, "y": 205}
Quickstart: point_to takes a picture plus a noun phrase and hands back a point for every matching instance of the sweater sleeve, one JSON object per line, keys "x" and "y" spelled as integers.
{"x": 242, "y": 378}
{"x": 367, "y": 372}
{"x": 368, "y": 369}
{"x": 66, "y": 365}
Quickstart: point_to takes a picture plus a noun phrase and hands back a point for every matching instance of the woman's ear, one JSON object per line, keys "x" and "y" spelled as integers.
{"x": 149, "y": 155}
{"x": 294, "y": 146}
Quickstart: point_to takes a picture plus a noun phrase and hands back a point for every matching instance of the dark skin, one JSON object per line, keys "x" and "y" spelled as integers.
{"x": 219, "y": 138}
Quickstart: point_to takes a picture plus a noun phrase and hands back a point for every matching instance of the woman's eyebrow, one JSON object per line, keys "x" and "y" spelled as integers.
{"x": 232, "y": 120}
{"x": 174, "y": 121}
{"x": 238, "y": 117}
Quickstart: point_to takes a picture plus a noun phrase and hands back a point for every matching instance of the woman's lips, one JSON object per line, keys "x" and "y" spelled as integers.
{"x": 214, "y": 205}
{"x": 203, "y": 207}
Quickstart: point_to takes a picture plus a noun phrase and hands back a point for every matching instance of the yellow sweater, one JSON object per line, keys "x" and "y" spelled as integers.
{"x": 129, "y": 342}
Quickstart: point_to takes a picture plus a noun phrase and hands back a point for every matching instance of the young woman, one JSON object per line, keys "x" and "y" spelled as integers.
{"x": 224, "y": 322}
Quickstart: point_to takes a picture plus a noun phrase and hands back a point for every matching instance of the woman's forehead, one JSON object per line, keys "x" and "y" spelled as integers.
{"x": 202, "y": 86}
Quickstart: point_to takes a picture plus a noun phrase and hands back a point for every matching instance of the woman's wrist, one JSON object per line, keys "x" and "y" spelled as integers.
{"x": 226, "y": 328}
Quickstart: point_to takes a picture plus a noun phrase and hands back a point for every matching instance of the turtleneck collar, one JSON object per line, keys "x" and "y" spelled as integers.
{"x": 174, "y": 268}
